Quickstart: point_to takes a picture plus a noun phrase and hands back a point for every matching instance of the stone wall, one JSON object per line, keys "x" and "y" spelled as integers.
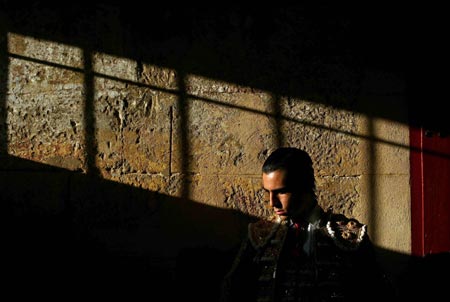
{"x": 144, "y": 146}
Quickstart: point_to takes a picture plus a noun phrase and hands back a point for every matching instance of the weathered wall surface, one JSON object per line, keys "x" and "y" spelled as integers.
{"x": 146, "y": 157}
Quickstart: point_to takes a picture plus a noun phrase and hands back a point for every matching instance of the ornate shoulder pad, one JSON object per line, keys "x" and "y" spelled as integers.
{"x": 261, "y": 231}
{"x": 346, "y": 233}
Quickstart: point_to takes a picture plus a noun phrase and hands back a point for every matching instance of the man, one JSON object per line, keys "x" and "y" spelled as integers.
{"x": 302, "y": 253}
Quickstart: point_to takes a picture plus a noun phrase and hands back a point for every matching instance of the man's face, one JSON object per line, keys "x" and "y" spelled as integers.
{"x": 285, "y": 201}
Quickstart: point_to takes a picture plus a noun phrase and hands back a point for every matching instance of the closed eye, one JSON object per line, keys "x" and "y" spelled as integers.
{"x": 278, "y": 191}
{"x": 282, "y": 191}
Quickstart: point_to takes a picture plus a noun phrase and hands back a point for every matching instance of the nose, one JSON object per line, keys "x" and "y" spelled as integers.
{"x": 273, "y": 199}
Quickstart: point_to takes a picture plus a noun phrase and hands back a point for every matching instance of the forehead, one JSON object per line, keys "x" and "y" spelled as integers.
{"x": 274, "y": 180}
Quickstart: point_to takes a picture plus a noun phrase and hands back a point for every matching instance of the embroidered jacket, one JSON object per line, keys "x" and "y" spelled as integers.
{"x": 329, "y": 258}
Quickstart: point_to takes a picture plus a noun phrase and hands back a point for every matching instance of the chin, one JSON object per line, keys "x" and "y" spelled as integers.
{"x": 283, "y": 217}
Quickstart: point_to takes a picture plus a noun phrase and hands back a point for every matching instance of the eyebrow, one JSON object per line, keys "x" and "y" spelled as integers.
{"x": 279, "y": 190}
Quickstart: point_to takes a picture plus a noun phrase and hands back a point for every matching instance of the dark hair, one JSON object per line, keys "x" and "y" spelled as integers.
{"x": 297, "y": 164}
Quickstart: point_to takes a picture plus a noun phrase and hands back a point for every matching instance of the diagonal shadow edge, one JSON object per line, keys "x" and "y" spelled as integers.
{"x": 339, "y": 71}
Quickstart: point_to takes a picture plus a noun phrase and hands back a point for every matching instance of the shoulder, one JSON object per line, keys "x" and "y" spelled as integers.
{"x": 346, "y": 233}
{"x": 261, "y": 231}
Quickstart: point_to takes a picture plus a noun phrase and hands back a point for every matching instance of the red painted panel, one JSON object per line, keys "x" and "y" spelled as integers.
{"x": 430, "y": 192}
{"x": 436, "y": 175}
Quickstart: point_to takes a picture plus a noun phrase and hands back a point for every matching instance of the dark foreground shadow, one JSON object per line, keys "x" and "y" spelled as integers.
{"x": 414, "y": 276}
{"x": 70, "y": 235}
{"x": 200, "y": 272}
{"x": 426, "y": 277}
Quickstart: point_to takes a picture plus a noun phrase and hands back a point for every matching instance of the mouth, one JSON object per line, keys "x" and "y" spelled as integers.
{"x": 280, "y": 212}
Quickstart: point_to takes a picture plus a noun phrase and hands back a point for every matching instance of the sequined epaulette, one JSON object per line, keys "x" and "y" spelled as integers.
{"x": 260, "y": 232}
{"x": 347, "y": 233}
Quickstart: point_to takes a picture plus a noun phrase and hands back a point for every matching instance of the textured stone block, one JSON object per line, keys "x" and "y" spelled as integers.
{"x": 225, "y": 134}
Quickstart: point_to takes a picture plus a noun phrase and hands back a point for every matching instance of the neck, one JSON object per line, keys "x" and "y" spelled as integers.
{"x": 310, "y": 215}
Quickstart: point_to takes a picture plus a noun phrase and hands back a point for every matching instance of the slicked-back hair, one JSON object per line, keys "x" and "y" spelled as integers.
{"x": 298, "y": 167}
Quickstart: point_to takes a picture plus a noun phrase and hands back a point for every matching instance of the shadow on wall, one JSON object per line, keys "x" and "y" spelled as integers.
{"x": 72, "y": 233}
{"x": 319, "y": 52}
{"x": 68, "y": 232}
